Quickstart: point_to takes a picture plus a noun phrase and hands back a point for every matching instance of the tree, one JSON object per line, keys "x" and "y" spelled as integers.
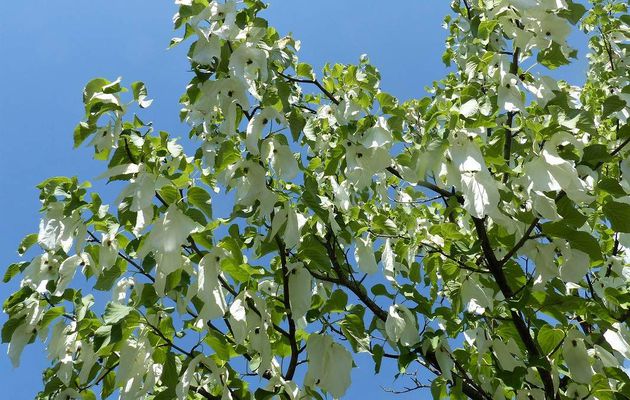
{"x": 479, "y": 234}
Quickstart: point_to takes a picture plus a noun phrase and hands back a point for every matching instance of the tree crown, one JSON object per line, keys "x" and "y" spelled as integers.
{"x": 479, "y": 234}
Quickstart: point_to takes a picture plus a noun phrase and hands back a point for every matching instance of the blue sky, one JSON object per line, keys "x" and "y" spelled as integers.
{"x": 51, "y": 49}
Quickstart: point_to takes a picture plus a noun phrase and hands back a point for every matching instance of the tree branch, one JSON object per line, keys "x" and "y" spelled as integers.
{"x": 287, "y": 305}
{"x": 517, "y": 317}
{"x": 507, "y": 144}
{"x": 313, "y": 82}
{"x": 127, "y": 258}
{"x": 469, "y": 389}
{"x": 427, "y": 185}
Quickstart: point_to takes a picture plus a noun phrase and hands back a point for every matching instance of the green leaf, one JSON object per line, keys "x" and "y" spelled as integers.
{"x": 566, "y": 208}
{"x": 220, "y": 345}
{"x": 380, "y": 290}
{"x": 578, "y": 240}
{"x": 612, "y": 104}
{"x": 107, "y": 278}
{"x": 81, "y": 132}
{"x": 140, "y": 94}
{"x": 617, "y": 373}
{"x": 618, "y": 214}
{"x": 115, "y": 313}
{"x": 447, "y": 230}
{"x": 9, "y": 327}
{"x": 169, "y": 377}
{"x": 311, "y": 199}
{"x": 336, "y": 302}
{"x": 354, "y": 330}
{"x": 485, "y": 28}
{"x": 595, "y": 154}
{"x": 305, "y": 70}
{"x": 234, "y": 247}
{"x": 148, "y": 295}
{"x": 296, "y": 123}
{"x": 113, "y": 87}
{"x": 601, "y": 388}
{"x": 549, "y": 338}
{"x": 199, "y": 198}
{"x": 27, "y": 242}
{"x": 377, "y": 356}
{"x": 438, "y": 388}
{"x": 92, "y": 87}
{"x": 169, "y": 193}
{"x": 612, "y": 186}
{"x": 552, "y": 57}
{"x": 314, "y": 251}
{"x": 50, "y": 315}
{"x": 262, "y": 394}
{"x": 573, "y": 13}
{"x": 387, "y": 102}
{"x": 88, "y": 395}
{"x": 109, "y": 385}
{"x": 13, "y": 270}
{"x": 384, "y": 225}
{"x": 239, "y": 272}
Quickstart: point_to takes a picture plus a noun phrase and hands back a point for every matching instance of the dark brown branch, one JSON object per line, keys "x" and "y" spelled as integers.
{"x": 427, "y": 185}
{"x": 507, "y": 144}
{"x": 207, "y": 395}
{"x": 128, "y": 259}
{"x": 128, "y": 150}
{"x": 312, "y": 82}
{"x": 358, "y": 290}
{"x": 287, "y": 306}
{"x": 608, "y": 49}
{"x": 468, "y": 10}
{"x": 495, "y": 266}
{"x": 521, "y": 242}
{"x": 468, "y": 388}
{"x": 462, "y": 265}
{"x": 100, "y": 378}
{"x": 230, "y": 289}
{"x": 50, "y": 303}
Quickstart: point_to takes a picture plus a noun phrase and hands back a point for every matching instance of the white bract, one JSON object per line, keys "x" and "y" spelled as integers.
{"x": 329, "y": 365}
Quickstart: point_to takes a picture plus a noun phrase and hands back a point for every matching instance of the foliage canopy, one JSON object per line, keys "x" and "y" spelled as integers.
{"x": 480, "y": 234}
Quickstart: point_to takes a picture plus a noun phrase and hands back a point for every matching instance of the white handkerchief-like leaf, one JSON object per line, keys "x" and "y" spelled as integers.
{"x": 388, "y": 260}
{"x": 119, "y": 294}
{"x": 21, "y": 336}
{"x": 206, "y": 51}
{"x": 618, "y": 339}
{"x": 282, "y": 159}
{"x": 108, "y": 251}
{"x": 300, "y": 290}
{"x": 477, "y": 297}
{"x": 170, "y": 231}
{"x": 401, "y": 325}
{"x": 210, "y": 291}
{"x": 505, "y": 353}
{"x": 187, "y": 377}
{"x": 394, "y": 325}
{"x": 577, "y": 359}
{"x": 480, "y": 193}
{"x": 329, "y": 365}
{"x": 66, "y": 273}
{"x": 260, "y": 122}
{"x": 56, "y": 230}
{"x": 509, "y": 96}
{"x": 238, "y": 319}
{"x": 364, "y": 255}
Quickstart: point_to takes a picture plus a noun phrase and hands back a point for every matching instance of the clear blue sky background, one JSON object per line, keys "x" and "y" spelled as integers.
{"x": 49, "y": 50}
